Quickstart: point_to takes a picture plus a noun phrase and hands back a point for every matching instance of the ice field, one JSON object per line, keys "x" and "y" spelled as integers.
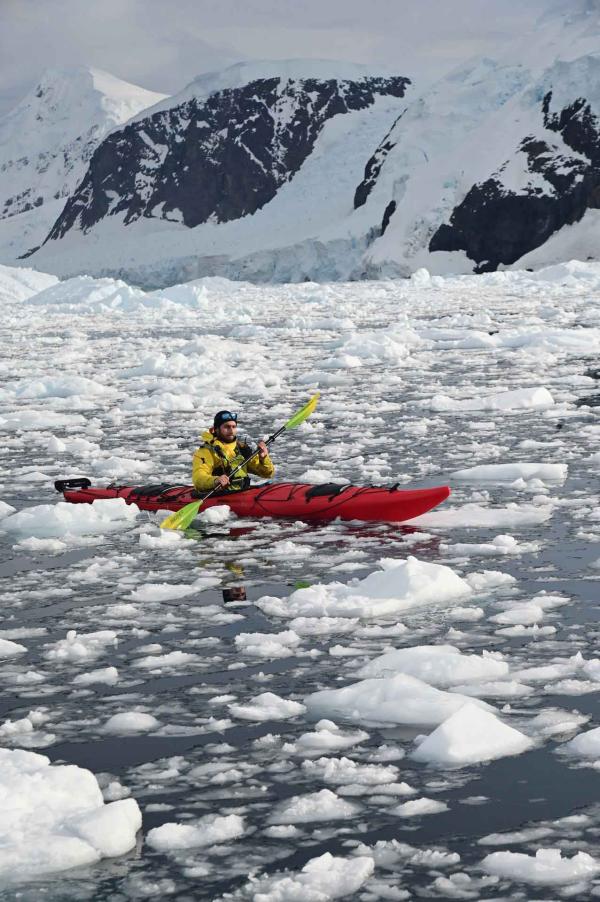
{"x": 392, "y": 711}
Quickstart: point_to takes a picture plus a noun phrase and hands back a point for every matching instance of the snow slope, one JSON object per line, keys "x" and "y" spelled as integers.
{"x": 46, "y": 143}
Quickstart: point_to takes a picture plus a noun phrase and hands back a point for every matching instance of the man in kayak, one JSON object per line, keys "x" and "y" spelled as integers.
{"x": 222, "y": 452}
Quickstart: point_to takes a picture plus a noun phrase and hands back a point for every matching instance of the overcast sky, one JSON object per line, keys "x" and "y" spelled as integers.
{"x": 163, "y": 44}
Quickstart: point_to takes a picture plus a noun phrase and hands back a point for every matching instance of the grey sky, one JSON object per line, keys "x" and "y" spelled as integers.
{"x": 163, "y": 44}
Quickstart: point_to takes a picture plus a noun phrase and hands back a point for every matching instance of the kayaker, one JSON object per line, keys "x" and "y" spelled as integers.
{"x": 221, "y": 452}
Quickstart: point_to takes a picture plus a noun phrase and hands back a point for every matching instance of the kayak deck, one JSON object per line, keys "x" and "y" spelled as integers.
{"x": 300, "y": 501}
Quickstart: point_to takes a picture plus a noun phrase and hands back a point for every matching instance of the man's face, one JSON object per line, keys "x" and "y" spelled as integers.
{"x": 227, "y": 431}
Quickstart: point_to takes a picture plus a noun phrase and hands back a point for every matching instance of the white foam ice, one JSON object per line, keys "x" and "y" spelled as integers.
{"x": 469, "y": 736}
{"x": 54, "y": 818}
{"x": 398, "y": 586}
{"x": 399, "y": 699}
{"x": 546, "y": 867}
{"x": 439, "y": 665}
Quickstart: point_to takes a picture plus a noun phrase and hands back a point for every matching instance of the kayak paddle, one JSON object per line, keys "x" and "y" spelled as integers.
{"x": 181, "y": 519}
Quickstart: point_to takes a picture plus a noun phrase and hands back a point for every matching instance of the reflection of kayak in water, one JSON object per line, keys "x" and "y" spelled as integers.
{"x": 278, "y": 499}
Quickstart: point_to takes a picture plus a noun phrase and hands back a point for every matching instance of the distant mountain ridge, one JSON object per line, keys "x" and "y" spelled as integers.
{"x": 295, "y": 170}
{"x": 47, "y": 141}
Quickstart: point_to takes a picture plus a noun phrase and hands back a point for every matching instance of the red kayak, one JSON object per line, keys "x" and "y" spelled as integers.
{"x": 279, "y": 499}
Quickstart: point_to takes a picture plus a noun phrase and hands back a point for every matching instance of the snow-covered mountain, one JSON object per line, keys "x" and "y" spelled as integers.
{"x": 293, "y": 171}
{"x": 216, "y": 155}
{"x": 47, "y": 141}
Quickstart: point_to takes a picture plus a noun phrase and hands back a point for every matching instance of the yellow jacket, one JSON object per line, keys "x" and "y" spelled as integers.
{"x": 215, "y": 458}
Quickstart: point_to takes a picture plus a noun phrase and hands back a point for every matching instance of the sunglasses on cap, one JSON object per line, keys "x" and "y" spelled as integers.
{"x": 224, "y": 416}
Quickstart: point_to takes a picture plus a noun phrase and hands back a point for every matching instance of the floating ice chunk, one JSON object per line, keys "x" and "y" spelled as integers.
{"x": 323, "y": 878}
{"x": 520, "y": 613}
{"x": 489, "y": 579}
{"x": 327, "y": 737}
{"x": 518, "y": 399}
{"x": 81, "y": 646}
{"x": 469, "y": 736}
{"x": 323, "y": 626}
{"x": 131, "y": 722}
{"x": 165, "y": 539}
{"x": 9, "y": 649}
{"x": 315, "y": 806}
{"x": 398, "y": 586}
{"x": 418, "y": 807}
{"x": 268, "y": 645}
{"x": 54, "y": 520}
{"x": 6, "y": 510}
{"x": 56, "y": 817}
{"x": 283, "y": 831}
{"x": 61, "y": 387}
{"x": 287, "y": 548}
{"x": 25, "y": 732}
{"x": 107, "y": 675}
{"x": 206, "y": 831}
{"x": 166, "y": 591}
{"x": 502, "y": 544}
{"x": 546, "y": 867}
{"x": 267, "y": 706}
{"x": 587, "y": 745}
{"x": 512, "y": 471}
{"x": 345, "y": 772}
{"x": 169, "y": 660}
{"x": 29, "y": 420}
{"x": 495, "y": 689}
{"x": 466, "y": 614}
{"x": 438, "y": 665}
{"x": 121, "y": 466}
{"x": 517, "y": 836}
{"x": 555, "y": 722}
{"x": 42, "y": 545}
{"x": 398, "y": 699}
{"x": 217, "y": 514}
{"x": 471, "y": 515}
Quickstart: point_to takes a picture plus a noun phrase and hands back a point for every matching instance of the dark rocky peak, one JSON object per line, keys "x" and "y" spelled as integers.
{"x": 545, "y": 185}
{"x": 217, "y": 157}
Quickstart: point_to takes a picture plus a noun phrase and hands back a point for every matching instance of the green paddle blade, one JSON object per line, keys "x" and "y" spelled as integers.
{"x": 182, "y": 519}
{"x": 303, "y": 413}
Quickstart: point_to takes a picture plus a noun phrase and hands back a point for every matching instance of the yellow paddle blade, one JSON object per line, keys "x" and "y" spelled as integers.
{"x": 181, "y": 519}
{"x": 304, "y": 412}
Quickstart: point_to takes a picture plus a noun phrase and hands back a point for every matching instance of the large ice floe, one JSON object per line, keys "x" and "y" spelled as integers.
{"x": 399, "y": 586}
{"x": 53, "y": 817}
{"x": 277, "y": 694}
